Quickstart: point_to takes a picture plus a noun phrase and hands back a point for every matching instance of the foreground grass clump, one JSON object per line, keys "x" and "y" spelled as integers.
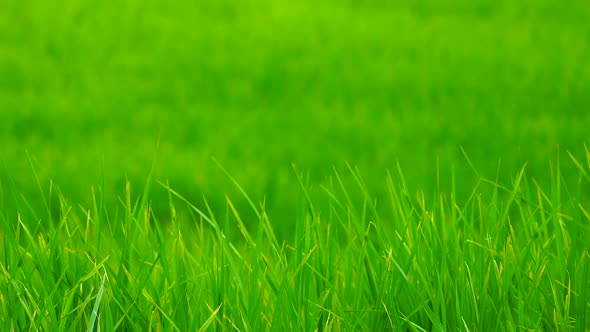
{"x": 510, "y": 257}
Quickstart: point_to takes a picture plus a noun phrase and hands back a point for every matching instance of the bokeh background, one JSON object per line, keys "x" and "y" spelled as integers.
{"x": 103, "y": 90}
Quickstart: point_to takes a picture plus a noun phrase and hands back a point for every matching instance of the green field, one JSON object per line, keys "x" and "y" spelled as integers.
{"x": 97, "y": 95}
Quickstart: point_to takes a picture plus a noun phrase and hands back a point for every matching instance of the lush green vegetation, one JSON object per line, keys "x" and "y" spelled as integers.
{"x": 508, "y": 258}
{"x": 95, "y": 94}
{"x": 89, "y": 88}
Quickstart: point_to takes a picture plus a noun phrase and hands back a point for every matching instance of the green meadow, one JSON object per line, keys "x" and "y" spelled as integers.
{"x": 294, "y": 165}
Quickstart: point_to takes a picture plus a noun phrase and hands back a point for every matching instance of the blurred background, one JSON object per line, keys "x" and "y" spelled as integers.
{"x": 103, "y": 90}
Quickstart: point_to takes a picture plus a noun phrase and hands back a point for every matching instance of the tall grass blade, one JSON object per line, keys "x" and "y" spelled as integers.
{"x": 95, "y": 310}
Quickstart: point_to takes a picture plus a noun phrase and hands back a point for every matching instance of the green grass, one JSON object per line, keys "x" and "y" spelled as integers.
{"x": 512, "y": 256}
{"x": 89, "y": 88}
{"x": 107, "y": 94}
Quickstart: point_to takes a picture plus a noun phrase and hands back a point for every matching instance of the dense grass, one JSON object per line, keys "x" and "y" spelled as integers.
{"x": 510, "y": 257}
{"x": 93, "y": 94}
{"x": 89, "y": 87}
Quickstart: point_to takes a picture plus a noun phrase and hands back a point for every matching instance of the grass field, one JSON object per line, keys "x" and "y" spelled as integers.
{"x": 508, "y": 258}
{"x": 98, "y": 97}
